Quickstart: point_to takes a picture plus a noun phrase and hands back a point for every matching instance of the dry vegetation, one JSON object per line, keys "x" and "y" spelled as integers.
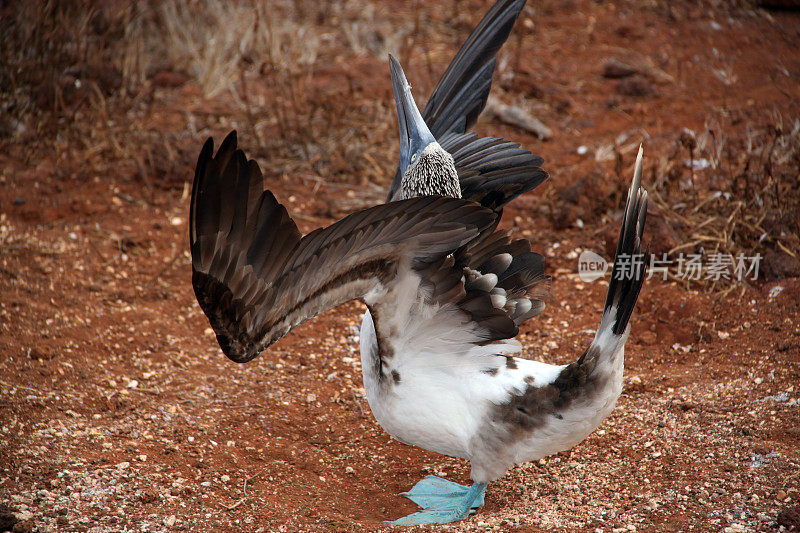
{"x": 108, "y": 368}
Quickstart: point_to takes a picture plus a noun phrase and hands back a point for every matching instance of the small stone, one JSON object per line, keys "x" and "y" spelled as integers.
{"x": 616, "y": 68}
{"x": 205, "y": 484}
{"x": 349, "y": 470}
{"x": 225, "y": 478}
{"x": 123, "y": 465}
{"x": 132, "y": 384}
{"x": 170, "y": 520}
{"x": 230, "y": 443}
{"x": 636, "y": 86}
{"x": 779, "y": 265}
{"x": 780, "y": 495}
{"x": 647, "y": 338}
{"x": 148, "y": 496}
{"x": 142, "y": 457}
{"x": 735, "y": 528}
{"x": 790, "y": 518}
{"x": 23, "y": 526}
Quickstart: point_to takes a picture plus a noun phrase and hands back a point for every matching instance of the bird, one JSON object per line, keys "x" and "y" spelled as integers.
{"x": 437, "y": 339}
{"x": 445, "y": 292}
{"x": 450, "y": 395}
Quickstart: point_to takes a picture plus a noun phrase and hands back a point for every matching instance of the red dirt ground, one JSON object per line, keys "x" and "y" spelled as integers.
{"x": 119, "y": 412}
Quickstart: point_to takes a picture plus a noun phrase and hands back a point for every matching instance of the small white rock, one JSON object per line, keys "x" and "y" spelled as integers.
{"x": 224, "y": 478}
{"x": 170, "y": 520}
{"x": 24, "y": 515}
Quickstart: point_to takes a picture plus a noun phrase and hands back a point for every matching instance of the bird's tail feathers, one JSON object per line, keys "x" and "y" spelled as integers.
{"x": 628, "y": 273}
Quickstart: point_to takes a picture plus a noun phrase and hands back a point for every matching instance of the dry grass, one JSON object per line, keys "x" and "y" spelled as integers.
{"x": 72, "y": 65}
{"x": 733, "y": 188}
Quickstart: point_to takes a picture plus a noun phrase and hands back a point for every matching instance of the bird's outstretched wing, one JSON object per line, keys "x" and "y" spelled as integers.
{"x": 256, "y": 277}
{"x": 461, "y": 93}
{"x": 492, "y": 171}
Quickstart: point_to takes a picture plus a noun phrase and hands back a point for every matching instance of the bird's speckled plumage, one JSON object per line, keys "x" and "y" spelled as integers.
{"x": 433, "y": 172}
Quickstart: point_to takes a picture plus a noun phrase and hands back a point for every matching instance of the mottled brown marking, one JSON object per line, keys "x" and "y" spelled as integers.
{"x": 396, "y": 377}
{"x": 511, "y": 363}
{"x": 490, "y": 371}
{"x": 529, "y": 380}
{"x": 385, "y": 350}
{"x": 532, "y": 408}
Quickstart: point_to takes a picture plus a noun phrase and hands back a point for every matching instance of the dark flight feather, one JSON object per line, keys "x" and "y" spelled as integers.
{"x": 492, "y": 171}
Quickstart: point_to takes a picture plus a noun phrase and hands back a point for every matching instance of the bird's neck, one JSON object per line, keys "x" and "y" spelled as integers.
{"x": 433, "y": 173}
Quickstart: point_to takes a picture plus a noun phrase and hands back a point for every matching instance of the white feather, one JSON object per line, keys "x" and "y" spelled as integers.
{"x": 449, "y": 386}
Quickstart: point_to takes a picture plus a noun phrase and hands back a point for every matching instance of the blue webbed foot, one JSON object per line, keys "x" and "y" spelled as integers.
{"x": 442, "y": 501}
{"x": 432, "y": 491}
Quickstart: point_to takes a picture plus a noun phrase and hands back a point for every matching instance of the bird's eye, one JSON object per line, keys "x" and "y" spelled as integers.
{"x": 413, "y": 156}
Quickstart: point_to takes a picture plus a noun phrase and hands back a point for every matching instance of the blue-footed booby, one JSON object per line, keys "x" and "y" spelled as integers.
{"x": 445, "y": 290}
{"x": 457, "y": 388}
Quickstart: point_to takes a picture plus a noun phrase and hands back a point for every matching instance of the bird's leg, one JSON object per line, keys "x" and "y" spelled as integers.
{"x": 442, "y": 501}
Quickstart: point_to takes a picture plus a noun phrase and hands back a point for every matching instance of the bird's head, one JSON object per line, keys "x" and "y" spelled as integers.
{"x": 426, "y": 167}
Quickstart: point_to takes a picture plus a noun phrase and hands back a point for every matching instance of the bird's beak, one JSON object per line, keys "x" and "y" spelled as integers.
{"x": 414, "y": 133}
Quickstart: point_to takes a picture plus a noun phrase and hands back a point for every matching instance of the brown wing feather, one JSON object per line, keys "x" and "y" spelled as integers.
{"x": 256, "y": 278}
